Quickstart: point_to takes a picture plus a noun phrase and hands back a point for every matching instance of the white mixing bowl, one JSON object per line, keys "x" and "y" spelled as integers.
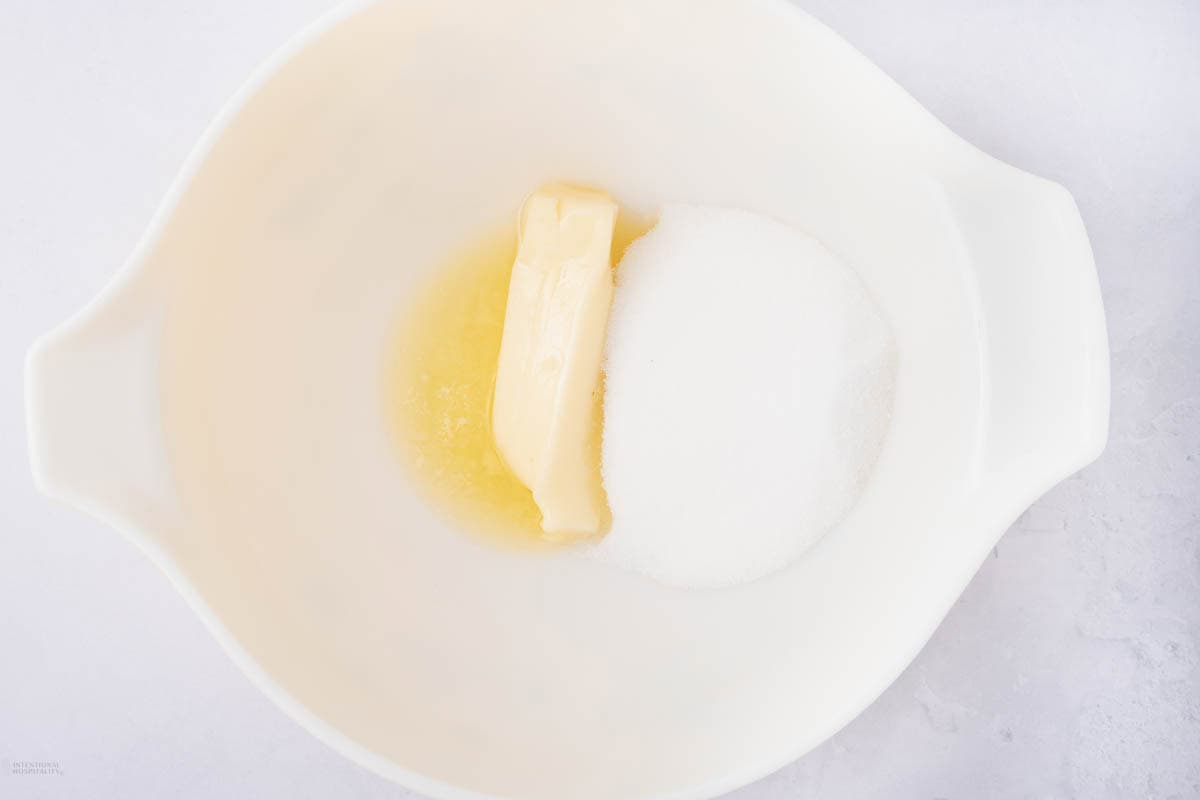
{"x": 220, "y": 402}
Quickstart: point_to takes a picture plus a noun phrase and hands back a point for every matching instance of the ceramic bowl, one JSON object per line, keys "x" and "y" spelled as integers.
{"x": 220, "y": 402}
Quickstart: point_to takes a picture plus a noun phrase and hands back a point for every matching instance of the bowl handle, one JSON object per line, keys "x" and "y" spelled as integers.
{"x": 1046, "y": 390}
{"x": 93, "y": 411}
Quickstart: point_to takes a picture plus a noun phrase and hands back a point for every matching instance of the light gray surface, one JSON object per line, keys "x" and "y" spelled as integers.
{"x": 1071, "y": 666}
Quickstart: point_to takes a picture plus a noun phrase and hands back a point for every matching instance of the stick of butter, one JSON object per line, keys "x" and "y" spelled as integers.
{"x": 550, "y": 354}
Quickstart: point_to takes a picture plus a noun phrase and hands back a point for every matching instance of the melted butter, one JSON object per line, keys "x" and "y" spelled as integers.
{"x": 441, "y": 372}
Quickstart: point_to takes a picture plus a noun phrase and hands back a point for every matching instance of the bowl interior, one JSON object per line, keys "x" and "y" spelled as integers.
{"x": 370, "y": 155}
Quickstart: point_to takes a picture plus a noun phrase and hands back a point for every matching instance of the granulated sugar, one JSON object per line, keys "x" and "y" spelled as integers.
{"x": 749, "y": 383}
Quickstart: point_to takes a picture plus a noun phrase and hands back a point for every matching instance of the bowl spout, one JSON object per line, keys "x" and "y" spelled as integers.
{"x": 94, "y": 416}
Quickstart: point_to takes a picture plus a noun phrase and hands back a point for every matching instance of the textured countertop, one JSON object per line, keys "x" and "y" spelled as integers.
{"x": 1069, "y": 668}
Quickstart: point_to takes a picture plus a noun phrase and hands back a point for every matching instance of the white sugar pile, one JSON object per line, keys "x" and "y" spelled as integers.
{"x": 749, "y": 387}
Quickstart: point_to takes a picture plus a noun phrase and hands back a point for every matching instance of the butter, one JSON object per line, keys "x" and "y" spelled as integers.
{"x": 550, "y": 355}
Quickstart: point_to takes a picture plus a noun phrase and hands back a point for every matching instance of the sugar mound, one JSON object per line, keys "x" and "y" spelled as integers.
{"x": 749, "y": 385}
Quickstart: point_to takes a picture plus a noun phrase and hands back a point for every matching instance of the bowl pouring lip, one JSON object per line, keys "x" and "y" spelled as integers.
{"x": 995, "y": 523}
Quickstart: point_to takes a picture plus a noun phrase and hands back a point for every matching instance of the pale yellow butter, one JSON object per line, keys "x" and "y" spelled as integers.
{"x": 550, "y": 354}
